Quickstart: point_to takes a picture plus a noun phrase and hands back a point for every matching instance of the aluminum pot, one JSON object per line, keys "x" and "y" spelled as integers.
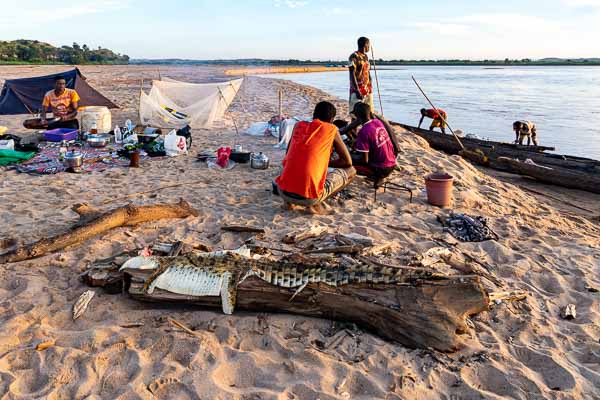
{"x": 98, "y": 140}
{"x": 74, "y": 159}
{"x": 259, "y": 161}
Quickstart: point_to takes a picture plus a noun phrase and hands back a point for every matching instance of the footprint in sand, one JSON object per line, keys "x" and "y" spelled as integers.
{"x": 554, "y": 375}
{"x": 493, "y": 380}
{"x": 171, "y": 388}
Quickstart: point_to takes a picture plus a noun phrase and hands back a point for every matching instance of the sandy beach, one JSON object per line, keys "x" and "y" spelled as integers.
{"x": 125, "y": 349}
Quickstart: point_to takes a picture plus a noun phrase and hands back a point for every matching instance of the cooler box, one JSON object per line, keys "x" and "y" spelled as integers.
{"x": 60, "y": 134}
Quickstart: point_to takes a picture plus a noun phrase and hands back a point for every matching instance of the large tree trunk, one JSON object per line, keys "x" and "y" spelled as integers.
{"x": 424, "y": 313}
{"x": 94, "y": 223}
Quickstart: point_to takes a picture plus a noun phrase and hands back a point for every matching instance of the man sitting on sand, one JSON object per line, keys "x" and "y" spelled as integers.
{"x": 361, "y": 89}
{"x": 525, "y": 129}
{"x": 64, "y": 103}
{"x": 305, "y": 179}
{"x": 438, "y": 116}
{"x": 376, "y": 145}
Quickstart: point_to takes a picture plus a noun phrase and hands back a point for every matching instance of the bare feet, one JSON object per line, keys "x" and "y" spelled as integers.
{"x": 317, "y": 209}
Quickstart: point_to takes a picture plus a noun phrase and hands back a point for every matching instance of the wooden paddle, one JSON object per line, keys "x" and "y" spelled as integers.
{"x": 476, "y": 156}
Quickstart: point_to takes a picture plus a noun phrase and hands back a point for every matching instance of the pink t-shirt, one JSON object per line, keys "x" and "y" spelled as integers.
{"x": 375, "y": 140}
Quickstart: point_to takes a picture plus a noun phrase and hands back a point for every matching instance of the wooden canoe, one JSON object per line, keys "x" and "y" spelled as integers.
{"x": 493, "y": 150}
{"x": 554, "y": 175}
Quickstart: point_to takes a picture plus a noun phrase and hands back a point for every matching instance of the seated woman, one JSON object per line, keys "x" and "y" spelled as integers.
{"x": 64, "y": 103}
{"x": 376, "y": 145}
{"x": 306, "y": 179}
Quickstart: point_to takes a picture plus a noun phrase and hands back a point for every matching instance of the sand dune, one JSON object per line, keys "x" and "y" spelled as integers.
{"x": 522, "y": 350}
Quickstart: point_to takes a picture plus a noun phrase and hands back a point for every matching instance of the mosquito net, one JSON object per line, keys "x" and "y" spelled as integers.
{"x": 174, "y": 104}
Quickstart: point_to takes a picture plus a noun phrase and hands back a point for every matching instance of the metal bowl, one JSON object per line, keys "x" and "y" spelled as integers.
{"x": 98, "y": 140}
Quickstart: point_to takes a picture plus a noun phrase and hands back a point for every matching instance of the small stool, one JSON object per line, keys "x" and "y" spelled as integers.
{"x": 393, "y": 186}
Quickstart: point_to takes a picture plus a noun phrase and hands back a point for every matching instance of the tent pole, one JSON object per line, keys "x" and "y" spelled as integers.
{"x": 140, "y": 102}
{"x": 237, "y": 133}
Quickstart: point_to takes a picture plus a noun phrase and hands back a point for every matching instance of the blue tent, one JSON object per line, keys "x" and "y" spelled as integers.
{"x": 24, "y": 96}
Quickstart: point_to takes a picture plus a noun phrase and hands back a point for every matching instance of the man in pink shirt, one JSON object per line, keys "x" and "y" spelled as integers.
{"x": 376, "y": 145}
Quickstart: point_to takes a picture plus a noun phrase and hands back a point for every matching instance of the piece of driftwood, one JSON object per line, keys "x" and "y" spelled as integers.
{"x": 82, "y": 303}
{"x": 297, "y": 237}
{"x": 514, "y": 295}
{"x": 242, "y": 228}
{"x": 96, "y": 224}
{"x": 422, "y": 312}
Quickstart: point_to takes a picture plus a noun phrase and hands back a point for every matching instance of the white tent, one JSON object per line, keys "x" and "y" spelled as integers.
{"x": 174, "y": 104}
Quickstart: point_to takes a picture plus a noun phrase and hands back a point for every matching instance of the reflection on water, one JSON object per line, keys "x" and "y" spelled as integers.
{"x": 564, "y": 102}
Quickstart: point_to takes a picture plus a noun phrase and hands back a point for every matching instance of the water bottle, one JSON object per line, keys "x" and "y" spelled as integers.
{"x": 118, "y": 135}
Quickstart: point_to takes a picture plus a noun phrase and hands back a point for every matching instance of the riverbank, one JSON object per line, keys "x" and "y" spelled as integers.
{"x": 121, "y": 348}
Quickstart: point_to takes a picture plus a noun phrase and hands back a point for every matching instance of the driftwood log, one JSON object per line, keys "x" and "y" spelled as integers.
{"x": 424, "y": 313}
{"x": 93, "y": 223}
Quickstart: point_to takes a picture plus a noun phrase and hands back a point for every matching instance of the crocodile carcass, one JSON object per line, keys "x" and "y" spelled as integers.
{"x": 410, "y": 305}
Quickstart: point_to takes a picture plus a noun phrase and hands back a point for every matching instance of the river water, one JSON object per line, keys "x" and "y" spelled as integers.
{"x": 564, "y": 102}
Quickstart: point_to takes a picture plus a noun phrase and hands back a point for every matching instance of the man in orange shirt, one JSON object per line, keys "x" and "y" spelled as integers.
{"x": 438, "y": 116}
{"x": 309, "y": 176}
{"x": 64, "y": 103}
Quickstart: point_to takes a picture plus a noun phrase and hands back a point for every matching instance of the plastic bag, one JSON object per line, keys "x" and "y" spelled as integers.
{"x": 223, "y": 154}
{"x": 7, "y": 144}
{"x": 174, "y": 144}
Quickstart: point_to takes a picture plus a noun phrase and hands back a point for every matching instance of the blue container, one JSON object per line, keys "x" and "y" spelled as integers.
{"x": 60, "y": 134}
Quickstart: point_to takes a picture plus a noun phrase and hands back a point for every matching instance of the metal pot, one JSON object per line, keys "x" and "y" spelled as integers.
{"x": 259, "y": 161}
{"x": 73, "y": 159}
{"x": 98, "y": 140}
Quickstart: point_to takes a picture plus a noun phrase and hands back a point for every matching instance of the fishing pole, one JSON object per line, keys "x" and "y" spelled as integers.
{"x": 376, "y": 80}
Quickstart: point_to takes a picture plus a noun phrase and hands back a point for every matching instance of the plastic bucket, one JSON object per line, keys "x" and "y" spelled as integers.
{"x": 439, "y": 189}
{"x": 100, "y": 115}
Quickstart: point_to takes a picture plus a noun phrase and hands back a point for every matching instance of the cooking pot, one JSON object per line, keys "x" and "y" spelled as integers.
{"x": 74, "y": 159}
{"x": 98, "y": 140}
{"x": 259, "y": 161}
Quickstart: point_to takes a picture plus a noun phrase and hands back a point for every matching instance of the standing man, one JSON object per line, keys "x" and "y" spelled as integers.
{"x": 64, "y": 103}
{"x": 438, "y": 116}
{"x": 361, "y": 88}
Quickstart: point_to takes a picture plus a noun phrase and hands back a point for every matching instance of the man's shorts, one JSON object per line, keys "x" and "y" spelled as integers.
{"x": 438, "y": 123}
{"x": 336, "y": 180}
{"x": 368, "y": 99}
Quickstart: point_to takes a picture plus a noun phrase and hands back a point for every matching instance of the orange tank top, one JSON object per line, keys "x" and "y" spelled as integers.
{"x": 305, "y": 165}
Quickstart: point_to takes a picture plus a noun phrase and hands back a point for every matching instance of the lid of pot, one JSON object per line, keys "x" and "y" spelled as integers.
{"x": 73, "y": 154}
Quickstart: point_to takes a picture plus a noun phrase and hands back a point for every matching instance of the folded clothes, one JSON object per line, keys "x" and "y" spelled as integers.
{"x": 8, "y": 157}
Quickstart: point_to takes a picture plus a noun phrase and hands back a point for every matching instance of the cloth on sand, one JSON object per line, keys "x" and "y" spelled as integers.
{"x": 305, "y": 165}
{"x": 8, "y": 157}
{"x": 468, "y": 228}
{"x": 336, "y": 179}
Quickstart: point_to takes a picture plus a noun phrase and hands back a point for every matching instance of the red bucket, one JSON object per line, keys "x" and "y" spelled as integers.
{"x": 439, "y": 189}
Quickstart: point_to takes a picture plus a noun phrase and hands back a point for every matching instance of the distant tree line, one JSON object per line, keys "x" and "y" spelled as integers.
{"x": 36, "y": 52}
{"x": 264, "y": 62}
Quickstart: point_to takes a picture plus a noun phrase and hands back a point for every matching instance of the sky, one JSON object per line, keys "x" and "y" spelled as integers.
{"x": 310, "y": 29}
